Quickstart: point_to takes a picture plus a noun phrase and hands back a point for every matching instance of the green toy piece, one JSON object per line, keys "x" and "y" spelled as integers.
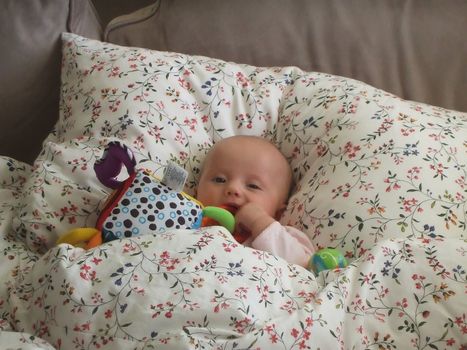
{"x": 222, "y": 216}
{"x": 327, "y": 259}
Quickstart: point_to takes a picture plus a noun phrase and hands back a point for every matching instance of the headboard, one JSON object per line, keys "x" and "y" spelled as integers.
{"x": 415, "y": 49}
{"x": 30, "y": 51}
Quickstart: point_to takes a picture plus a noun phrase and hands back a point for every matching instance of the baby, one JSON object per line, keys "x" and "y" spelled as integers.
{"x": 250, "y": 175}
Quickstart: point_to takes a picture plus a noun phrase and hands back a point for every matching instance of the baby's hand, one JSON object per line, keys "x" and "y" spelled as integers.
{"x": 253, "y": 219}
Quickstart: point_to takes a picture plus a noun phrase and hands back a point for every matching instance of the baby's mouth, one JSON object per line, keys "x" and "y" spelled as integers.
{"x": 233, "y": 208}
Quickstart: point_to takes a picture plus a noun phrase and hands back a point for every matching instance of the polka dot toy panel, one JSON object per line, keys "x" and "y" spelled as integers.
{"x": 146, "y": 205}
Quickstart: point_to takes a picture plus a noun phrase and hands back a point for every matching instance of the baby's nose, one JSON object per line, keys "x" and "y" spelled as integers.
{"x": 233, "y": 190}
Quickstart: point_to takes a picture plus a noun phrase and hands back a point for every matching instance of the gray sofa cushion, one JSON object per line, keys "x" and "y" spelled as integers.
{"x": 413, "y": 48}
{"x": 30, "y": 67}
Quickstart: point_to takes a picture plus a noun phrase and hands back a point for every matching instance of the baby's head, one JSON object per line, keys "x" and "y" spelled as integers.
{"x": 242, "y": 169}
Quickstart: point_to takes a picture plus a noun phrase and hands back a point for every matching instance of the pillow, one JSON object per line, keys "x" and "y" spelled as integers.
{"x": 367, "y": 165}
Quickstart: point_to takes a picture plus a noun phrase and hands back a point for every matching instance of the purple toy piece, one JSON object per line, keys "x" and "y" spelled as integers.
{"x": 109, "y": 166}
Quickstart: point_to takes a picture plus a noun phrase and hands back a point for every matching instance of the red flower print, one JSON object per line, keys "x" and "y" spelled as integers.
{"x": 294, "y": 333}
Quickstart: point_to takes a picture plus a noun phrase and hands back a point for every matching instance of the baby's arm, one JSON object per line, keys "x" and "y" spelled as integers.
{"x": 252, "y": 219}
{"x": 269, "y": 235}
{"x": 285, "y": 242}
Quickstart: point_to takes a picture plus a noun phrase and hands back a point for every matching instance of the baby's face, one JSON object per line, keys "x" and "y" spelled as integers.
{"x": 242, "y": 170}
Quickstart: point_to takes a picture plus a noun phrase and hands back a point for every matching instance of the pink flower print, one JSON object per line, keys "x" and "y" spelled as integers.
{"x": 309, "y": 297}
{"x": 407, "y": 132}
{"x": 461, "y": 323}
{"x": 185, "y": 84}
{"x": 42, "y": 329}
{"x": 96, "y": 109}
{"x": 228, "y": 247}
{"x": 242, "y": 80}
{"x": 96, "y": 261}
{"x": 368, "y": 278}
{"x": 168, "y": 262}
{"x": 436, "y": 137}
{"x": 403, "y": 303}
{"x": 321, "y": 150}
{"x": 461, "y": 182}
{"x": 241, "y": 292}
{"x": 114, "y": 72}
{"x": 140, "y": 97}
{"x": 409, "y": 204}
{"x": 351, "y": 150}
{"x": 439, "y": 169}
{"x": 264, "y": 292}
{"x": 98, "y": 67}
{"x": 221, "y": 306}
{"x": 393, "y": 184}
{"x": 342, "y": 189}
{"x": 156, "y": 132}
{"x": 366, "y": 186}
{"x": 183, "y": 155}
{"x": 191, "y": 123}
{"x": 128, "y": 247}
{"x": 385, "y": 125}
{"x": 294, "y": 333}
{"x": 289, "y": 306}
{"x": 413, "y": 173}
{"x": 86, "y": 273}
{"x": 97, "y": 298}
{"x": 242, "y": 325}
{"x": 179, "y": 137}
{"x": 450, "y": 342}
{"x": 83, "y": 327}
{"x": 244, "y": 120}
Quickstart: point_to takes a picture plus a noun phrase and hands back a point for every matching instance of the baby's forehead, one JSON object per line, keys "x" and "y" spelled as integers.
{"x": 250, "y": 145}
{"x": 259, "y": 154}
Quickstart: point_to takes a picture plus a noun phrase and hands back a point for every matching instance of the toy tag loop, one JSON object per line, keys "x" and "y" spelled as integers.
{"x": 175, "y": 176}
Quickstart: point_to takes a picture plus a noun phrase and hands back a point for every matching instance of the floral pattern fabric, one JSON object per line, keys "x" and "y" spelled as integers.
{"x": 382, "y": 179}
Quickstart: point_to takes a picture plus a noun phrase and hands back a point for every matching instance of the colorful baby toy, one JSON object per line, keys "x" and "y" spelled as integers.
{"x": 327, "y": 259}
{"x": 143, "y": 203}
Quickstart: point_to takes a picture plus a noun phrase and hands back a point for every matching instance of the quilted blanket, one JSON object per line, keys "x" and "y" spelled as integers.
{"x": 199, "y": 289}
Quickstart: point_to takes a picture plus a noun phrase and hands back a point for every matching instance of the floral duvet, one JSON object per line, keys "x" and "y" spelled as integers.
{"x": 199, "y": 289}
{"x": 381, "y": 179}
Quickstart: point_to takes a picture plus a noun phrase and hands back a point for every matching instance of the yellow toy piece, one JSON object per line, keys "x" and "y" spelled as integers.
{"x": 79, "y": 237}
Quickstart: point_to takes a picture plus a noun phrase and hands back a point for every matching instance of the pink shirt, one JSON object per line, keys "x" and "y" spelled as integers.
{"x": 284, "y": 241}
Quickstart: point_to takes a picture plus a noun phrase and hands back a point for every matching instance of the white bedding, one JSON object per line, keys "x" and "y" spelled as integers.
{"x": 383, "y": 180}
{"x": 199, "y": 289}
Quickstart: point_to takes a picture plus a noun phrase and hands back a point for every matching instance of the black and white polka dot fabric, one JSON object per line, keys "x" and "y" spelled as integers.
{"x": 147, "y": 206}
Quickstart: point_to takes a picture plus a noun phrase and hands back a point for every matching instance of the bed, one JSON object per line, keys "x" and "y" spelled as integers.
{"x": 366, "y": 99}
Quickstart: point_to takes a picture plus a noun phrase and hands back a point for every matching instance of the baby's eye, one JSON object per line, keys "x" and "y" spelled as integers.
{"x": 218, "y": 179}
{"x": 254, "y": 187}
